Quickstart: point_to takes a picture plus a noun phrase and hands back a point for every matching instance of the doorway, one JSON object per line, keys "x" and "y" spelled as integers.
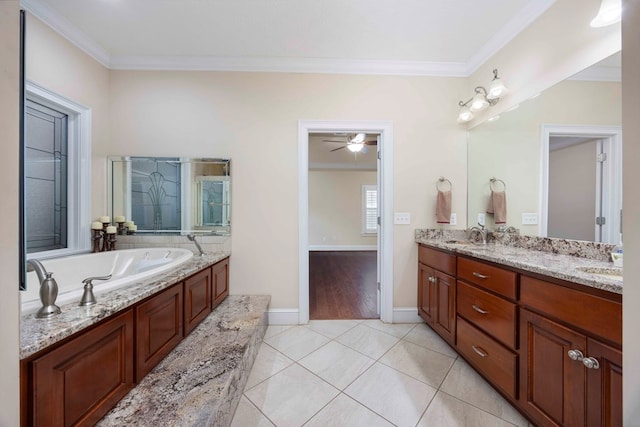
{"x": 582, "y": 183}
{"x": 384, "y": 181}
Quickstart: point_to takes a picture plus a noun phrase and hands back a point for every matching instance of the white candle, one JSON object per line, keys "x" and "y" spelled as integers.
{"x": 119, "y": 219}
{"x": 111, "y": 229}
{"x": 129, "y": 224}
{"x": 96, "y": 225}
{"x": 133, "y": 228}
{"x": 105, "y": 219}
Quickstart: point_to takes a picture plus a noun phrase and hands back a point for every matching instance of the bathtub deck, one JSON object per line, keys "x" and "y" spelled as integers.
{"x": 201, "y": 381}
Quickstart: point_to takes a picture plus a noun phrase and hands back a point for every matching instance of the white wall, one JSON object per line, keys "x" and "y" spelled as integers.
{"x": 572, "y": 192}
{"x": 335, "y": 208}
{"x": 631, "y": 210}
{"x": 9, "y": 143}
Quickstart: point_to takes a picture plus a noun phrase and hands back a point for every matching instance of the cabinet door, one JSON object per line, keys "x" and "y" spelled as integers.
{"x": 426, "y": 296}
{"x": 220, "y": 273}
{"x": 445, "y": 302}
{"x": 158, "y": 327}
{"x": 80, "y": 381}
{"x": 604, "y": 386}
{"x": 197, "y": 299}
{"x": 552, "y": 384}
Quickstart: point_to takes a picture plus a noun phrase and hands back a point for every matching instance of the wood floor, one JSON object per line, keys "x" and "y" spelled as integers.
{"x": 342, "y": 285}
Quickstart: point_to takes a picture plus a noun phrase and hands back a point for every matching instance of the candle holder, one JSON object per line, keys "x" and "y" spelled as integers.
{"x": 111, "y": 238}
{"x": 105, "y": 243}
{"x": 122, "y": 230}
{"x": 95, "y": 237}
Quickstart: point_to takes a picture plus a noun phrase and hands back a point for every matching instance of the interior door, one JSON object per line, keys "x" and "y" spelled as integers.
{"x": 379, "y": 239}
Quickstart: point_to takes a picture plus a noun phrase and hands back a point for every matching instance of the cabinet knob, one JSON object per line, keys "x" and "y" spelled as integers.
{"x": 591, "y": 362}
{"x": 432, "y": 279}
{"x": 479, "y": 310}
{"x": 479, "y": 276}
{"x": 575, "y": 355}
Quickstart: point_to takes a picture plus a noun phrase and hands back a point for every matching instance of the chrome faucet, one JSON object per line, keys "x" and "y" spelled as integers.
{"x": 192, "y": 237}
{"x": 48, "y": 289}
{"x": 480, "y": 229}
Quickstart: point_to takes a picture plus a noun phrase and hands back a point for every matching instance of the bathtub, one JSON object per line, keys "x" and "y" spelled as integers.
{"x": 126, "y": 266}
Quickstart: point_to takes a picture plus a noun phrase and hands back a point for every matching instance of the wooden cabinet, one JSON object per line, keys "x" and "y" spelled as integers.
{"x": 197, "y": 299}
{"x": 437, "y": 291}
{"x": 604, "y": 386}
{"x": 79, "y": 382}
{"x": 158, "y": 328}
{"x": 220, "y": 275}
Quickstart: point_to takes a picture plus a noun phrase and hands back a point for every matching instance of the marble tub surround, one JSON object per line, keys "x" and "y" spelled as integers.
{"x": 561, "y": 266}
{"x": 210, "y": 244}
{"x": 37, "y": 334}
{"x": 201, "y": 381}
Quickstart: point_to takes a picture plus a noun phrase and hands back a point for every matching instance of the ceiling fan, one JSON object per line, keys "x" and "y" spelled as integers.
{"x": 354, "y": 142}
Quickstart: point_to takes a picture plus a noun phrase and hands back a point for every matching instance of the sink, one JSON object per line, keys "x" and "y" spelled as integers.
{"x": 459, "y": 242}
{"x": 607, "y": 272}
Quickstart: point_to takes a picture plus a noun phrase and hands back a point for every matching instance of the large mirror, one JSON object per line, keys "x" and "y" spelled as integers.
{"x": 559, "y": 156}
{"x": 171, "y": 194}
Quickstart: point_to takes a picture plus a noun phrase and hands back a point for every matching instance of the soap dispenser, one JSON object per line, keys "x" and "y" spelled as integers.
{"x": 617, "y": 254}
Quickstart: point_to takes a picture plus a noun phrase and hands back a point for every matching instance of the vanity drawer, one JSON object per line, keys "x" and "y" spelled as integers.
{"x": 487, "y": 276}
{"x": 596, "y": 315}
{"x": 488, "y": 356}
{"x": 439, "y": 260}
{"x": 494, "y": 315}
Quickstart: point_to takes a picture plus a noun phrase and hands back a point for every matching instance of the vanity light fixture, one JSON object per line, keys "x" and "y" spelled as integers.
{"x": 610, "y": 12}
{"x": 482, "y": 98}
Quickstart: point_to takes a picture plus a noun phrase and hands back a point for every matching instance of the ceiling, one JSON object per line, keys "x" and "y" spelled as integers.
{"x": 412, "y": 37}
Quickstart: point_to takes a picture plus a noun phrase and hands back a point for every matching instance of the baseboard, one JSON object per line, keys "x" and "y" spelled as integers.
{"x": 284, "y": 316}
{"x": 342, "y": 248}
{"x": 406, "y": 315}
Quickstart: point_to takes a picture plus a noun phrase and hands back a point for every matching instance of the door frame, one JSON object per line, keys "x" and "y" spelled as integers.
{"x": 385, "y": 195}
{"x": 611, "y": 174}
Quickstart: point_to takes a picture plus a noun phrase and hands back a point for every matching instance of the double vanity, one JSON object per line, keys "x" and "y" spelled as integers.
{"x": 542, "y": 326}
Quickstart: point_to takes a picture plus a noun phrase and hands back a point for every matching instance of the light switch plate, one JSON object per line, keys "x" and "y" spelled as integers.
{"x": 453, "y": 220}
{"x": 529, "y": 218}
{"x": 402, "y": 218}
{"x": 481, "y": 218}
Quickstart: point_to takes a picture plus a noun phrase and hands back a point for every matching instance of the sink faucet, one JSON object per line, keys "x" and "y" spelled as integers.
{"x": 481, "y": 230}
{"x": 48, "y": 289}
{"x": 192, "y": 237}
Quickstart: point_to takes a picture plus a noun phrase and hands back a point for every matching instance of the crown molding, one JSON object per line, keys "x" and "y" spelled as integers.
{"x": 286, "y": 65}
{"x": 515, "y": 26}
{"x": 66, "y": 29}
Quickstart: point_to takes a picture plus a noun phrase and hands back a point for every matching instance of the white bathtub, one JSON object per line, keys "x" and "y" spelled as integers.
{"x": 126, "y": 266}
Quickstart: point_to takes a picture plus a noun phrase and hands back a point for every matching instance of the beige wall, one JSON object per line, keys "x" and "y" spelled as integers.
{"x": 631, "y": 210}
{"x": 510, "y": 148}
{"x": 9, "y": 137}
{"x": 253, "y": 117}
{"x": 572, "y": 192}
{"x": 56, "y": 64}
{"x": 335, "y": 208}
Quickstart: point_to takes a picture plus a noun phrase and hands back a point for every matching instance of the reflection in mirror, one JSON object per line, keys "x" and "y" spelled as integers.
{"x": 516, "y": 148}
{"x": 171, "y": 194}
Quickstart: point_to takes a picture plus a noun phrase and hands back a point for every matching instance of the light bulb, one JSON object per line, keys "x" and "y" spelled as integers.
{"x": 479, "y": 102}
{"x": 355, "y": 147}
{"x": 497, "y": 89}
{"x": 465, "y": 115}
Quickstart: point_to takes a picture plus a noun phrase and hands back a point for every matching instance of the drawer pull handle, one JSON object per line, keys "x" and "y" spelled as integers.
{"x": 479, "y": 310}
{"x": 575, "y": 355}
{"x": 591, "y": 363}
{"x": 480, "y": 351}
{"x": 480, "y": 276}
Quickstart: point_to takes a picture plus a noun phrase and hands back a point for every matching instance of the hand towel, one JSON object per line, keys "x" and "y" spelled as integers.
{"x": 498, "y": 206}
{"x": 443, "y": 207}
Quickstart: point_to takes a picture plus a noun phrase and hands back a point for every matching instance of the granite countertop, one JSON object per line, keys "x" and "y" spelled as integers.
{"x": 37, "y": 334}
{"x": 560, "y": 266}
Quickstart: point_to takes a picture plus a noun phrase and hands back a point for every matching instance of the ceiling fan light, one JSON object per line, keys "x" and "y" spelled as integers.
{"x": 497, "y": 89}
{"x": 610, "y": 12}
{"x": 479, "y": 102}
{"x": 359, "y": 138}
{"x": 465, "y": 115}
{"x": 355, "y": 147}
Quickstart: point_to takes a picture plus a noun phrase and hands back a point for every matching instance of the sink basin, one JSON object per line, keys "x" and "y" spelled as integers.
{"x": 608, "y": 272}
{"x": 459, "y": 242}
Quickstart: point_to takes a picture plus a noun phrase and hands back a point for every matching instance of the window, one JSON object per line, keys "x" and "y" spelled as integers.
{"x": 369, "y": 209}
{"x": 57, "y": 174}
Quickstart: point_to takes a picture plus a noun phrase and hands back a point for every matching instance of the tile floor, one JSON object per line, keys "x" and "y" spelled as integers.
{"x": 366, "y": 373}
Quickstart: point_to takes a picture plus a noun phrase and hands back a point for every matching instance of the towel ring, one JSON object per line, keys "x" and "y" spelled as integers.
{"x": 443, "y": 180}
{"x": 493, "y": 181}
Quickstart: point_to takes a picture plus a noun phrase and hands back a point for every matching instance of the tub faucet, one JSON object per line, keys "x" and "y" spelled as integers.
{"x": 480, "y": 230}
{"x": 192, "y": 237}
{"x": 48, "y": 289}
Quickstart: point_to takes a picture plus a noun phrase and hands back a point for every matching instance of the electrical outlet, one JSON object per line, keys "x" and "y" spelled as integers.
{"x": 403, "y": 218}
{"x": 529, "y": 218}
{"x": 481, "y": 218}
{"x": 453, "y": 220}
